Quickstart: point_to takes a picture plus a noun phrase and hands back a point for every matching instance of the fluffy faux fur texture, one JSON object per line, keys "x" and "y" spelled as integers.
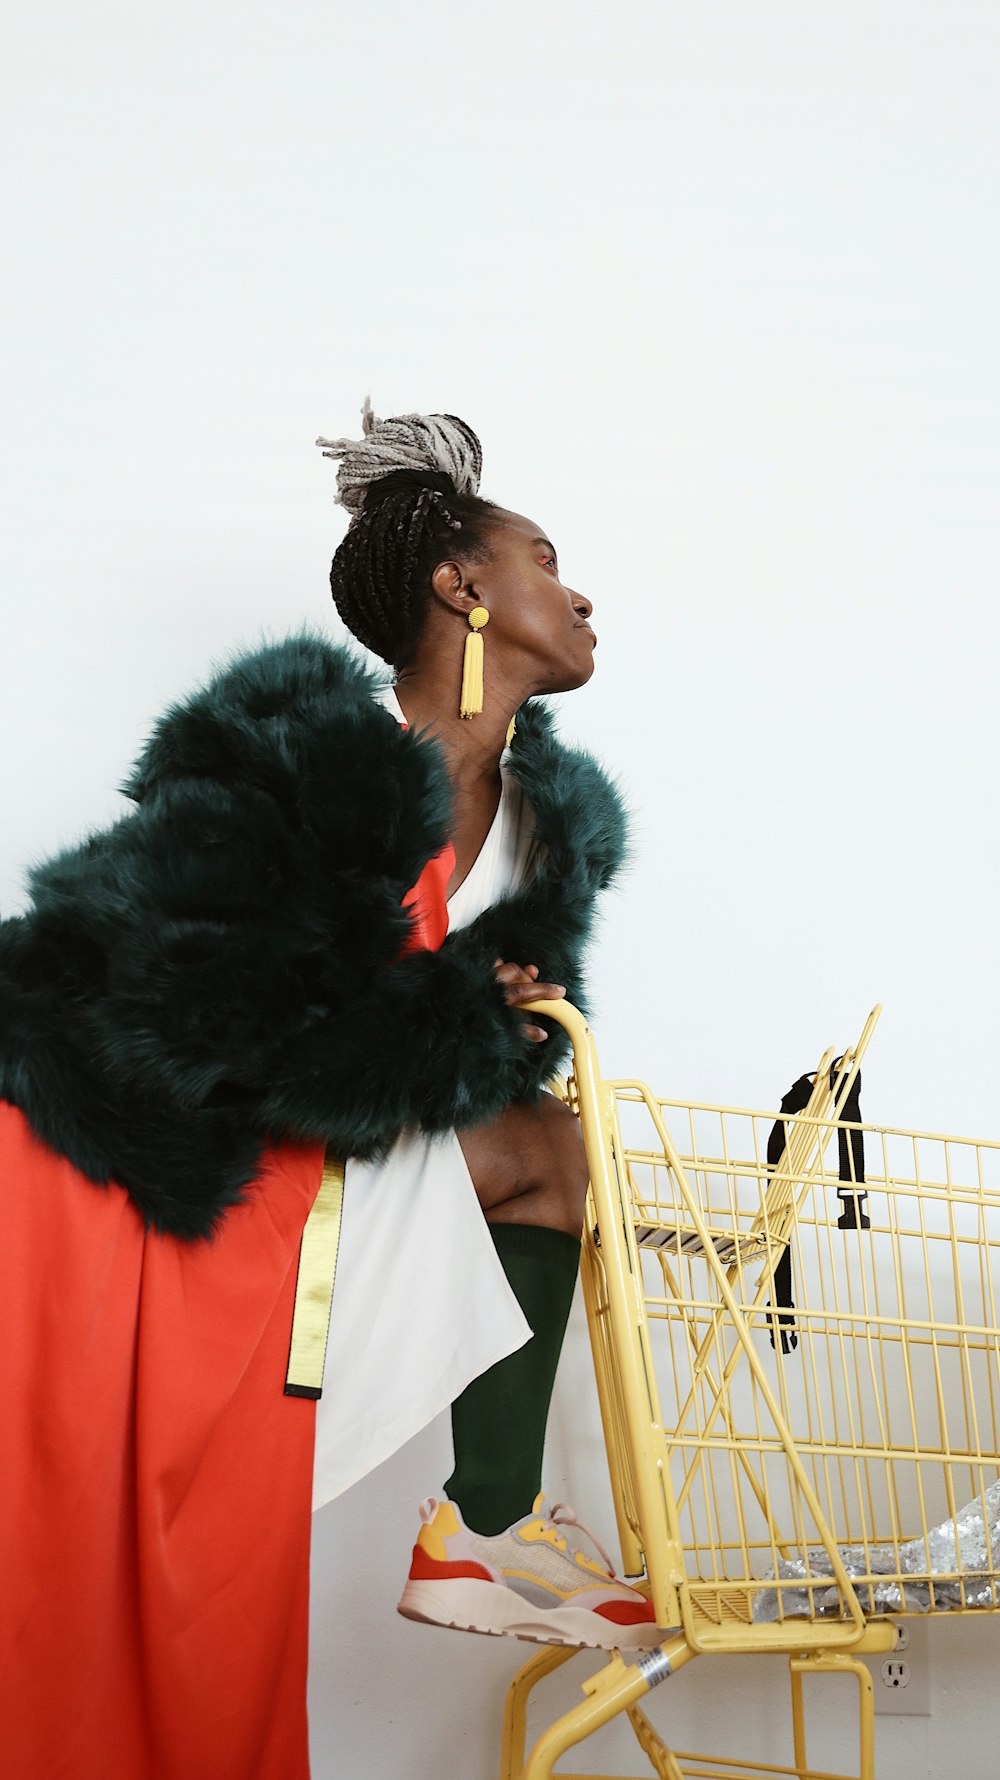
{"x": 222, "y": 967}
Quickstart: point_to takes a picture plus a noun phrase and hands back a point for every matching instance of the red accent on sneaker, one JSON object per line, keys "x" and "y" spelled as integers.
{"x": 424, "y": 1568}
{"x": 627, "y": 1612}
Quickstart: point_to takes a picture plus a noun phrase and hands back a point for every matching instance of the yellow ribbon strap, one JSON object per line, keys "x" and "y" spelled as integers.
{"x": 314, "y": 1286}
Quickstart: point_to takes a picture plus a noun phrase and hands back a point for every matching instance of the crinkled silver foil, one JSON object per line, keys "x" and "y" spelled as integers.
{"x": 968, "y": 1544}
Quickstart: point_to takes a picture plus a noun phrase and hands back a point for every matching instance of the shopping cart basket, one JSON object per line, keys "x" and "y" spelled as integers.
{"x": 784, "y": 1479}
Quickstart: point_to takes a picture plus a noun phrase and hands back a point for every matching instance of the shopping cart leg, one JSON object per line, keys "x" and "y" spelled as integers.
{"x": 660, "y": 1758}
{"x": 515, "y": 1710}
{"x": 612, "y": 1690}
{"x": 832, "y": 1664}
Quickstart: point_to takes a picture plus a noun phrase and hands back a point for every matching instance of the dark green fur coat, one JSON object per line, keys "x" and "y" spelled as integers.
{"x": 222, "y": 967}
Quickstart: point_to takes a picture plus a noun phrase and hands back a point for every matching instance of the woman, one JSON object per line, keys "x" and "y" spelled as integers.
{"x": 258, "y": 962}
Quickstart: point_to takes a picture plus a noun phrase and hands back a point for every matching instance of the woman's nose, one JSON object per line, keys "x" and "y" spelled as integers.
{"x": 582, "y": 605}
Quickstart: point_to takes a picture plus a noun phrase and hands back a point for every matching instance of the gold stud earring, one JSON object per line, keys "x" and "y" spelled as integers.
{"x": 472, "y": 665}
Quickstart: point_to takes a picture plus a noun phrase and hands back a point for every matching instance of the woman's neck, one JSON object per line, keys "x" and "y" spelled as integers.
{"x": 472, "y": 745}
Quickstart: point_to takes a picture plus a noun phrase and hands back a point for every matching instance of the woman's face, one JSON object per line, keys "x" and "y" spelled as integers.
{"x": 538, "y": 622}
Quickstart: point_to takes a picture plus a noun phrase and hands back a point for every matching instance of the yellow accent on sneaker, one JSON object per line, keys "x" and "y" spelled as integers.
{"x": 541, "y": 1530}
{"x": 432, "y": 1535}
{"x": 590, "y": 1564}
{"x": 545, "y": 1530}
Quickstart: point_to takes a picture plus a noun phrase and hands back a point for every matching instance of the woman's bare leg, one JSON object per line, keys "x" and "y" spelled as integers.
{"x": 529, "y": 1166}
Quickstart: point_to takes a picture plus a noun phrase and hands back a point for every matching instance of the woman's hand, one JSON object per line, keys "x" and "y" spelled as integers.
{"x": 521, "y": 984}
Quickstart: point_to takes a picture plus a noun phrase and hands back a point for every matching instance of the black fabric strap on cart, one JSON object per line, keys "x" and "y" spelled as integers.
{"x": 853, "y": 1216}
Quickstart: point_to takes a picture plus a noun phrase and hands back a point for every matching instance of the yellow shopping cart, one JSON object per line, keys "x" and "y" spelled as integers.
{"x": 786, "y": 1478}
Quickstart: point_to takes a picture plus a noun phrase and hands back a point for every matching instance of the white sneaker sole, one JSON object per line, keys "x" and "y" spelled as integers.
{"x": 473, "y": 1606}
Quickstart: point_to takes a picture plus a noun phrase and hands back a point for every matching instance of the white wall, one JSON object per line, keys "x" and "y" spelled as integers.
{"x": 717, "y": 284}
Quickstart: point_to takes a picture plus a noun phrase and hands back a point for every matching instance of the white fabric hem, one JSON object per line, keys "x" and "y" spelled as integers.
{"x": 416, "y": 1417}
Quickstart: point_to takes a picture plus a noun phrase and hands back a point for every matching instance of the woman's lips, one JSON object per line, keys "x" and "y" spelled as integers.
{"x": 592, "y": 634}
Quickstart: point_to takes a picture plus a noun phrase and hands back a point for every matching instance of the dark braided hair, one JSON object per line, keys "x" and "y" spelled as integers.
{"x": 410, "y": 484}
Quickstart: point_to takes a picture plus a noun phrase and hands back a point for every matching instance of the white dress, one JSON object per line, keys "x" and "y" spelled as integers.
{"x": 421, "y": 1304}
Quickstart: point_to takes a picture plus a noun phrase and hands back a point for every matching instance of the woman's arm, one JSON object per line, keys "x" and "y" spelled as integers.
{"x": 198, "y": 955}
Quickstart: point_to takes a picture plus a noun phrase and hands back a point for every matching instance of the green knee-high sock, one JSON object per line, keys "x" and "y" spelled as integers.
{"x": 498, "y": 1422}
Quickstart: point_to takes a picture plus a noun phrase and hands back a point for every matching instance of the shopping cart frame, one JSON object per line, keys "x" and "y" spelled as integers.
{"x": 635, "y": 1439}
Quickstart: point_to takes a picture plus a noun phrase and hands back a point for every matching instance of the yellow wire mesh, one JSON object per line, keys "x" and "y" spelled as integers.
{"x": 874, "y": 1430}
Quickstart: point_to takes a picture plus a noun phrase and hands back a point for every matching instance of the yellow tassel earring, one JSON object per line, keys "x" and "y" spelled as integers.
{"x": 472, "y": 665}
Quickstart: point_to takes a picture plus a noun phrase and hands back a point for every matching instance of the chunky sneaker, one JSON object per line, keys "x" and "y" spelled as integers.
{"x": 526, "y": 1582}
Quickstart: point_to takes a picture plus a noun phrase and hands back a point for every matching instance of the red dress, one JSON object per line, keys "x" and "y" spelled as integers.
{"x": 155, "y": 1481}
{"x": 155, "y": 1484}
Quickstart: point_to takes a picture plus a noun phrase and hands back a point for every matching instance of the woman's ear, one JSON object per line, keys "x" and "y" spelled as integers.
{"x": 451, "y": 588}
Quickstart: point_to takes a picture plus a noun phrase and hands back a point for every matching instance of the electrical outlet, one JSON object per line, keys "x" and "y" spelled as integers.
{"x": 902, "y": 1678}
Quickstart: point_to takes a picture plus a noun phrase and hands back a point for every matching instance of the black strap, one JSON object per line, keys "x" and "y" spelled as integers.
{"x": 853, "y": 1216}
{"x": 851, "y": 1147}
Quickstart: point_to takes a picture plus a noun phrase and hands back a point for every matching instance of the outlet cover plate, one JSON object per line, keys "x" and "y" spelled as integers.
{"x": 913, "y": 1700}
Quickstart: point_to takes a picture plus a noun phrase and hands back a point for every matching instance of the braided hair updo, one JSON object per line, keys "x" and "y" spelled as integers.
{"x": 409, "y": 484}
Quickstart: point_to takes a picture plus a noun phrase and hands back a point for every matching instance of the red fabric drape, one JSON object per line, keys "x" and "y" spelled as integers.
{"x": 155, "y": 1482}
{"x": 427, "y": 903}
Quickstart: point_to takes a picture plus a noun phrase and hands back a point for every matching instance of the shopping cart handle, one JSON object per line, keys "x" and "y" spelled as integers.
{"x": 567, "y": 1015}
